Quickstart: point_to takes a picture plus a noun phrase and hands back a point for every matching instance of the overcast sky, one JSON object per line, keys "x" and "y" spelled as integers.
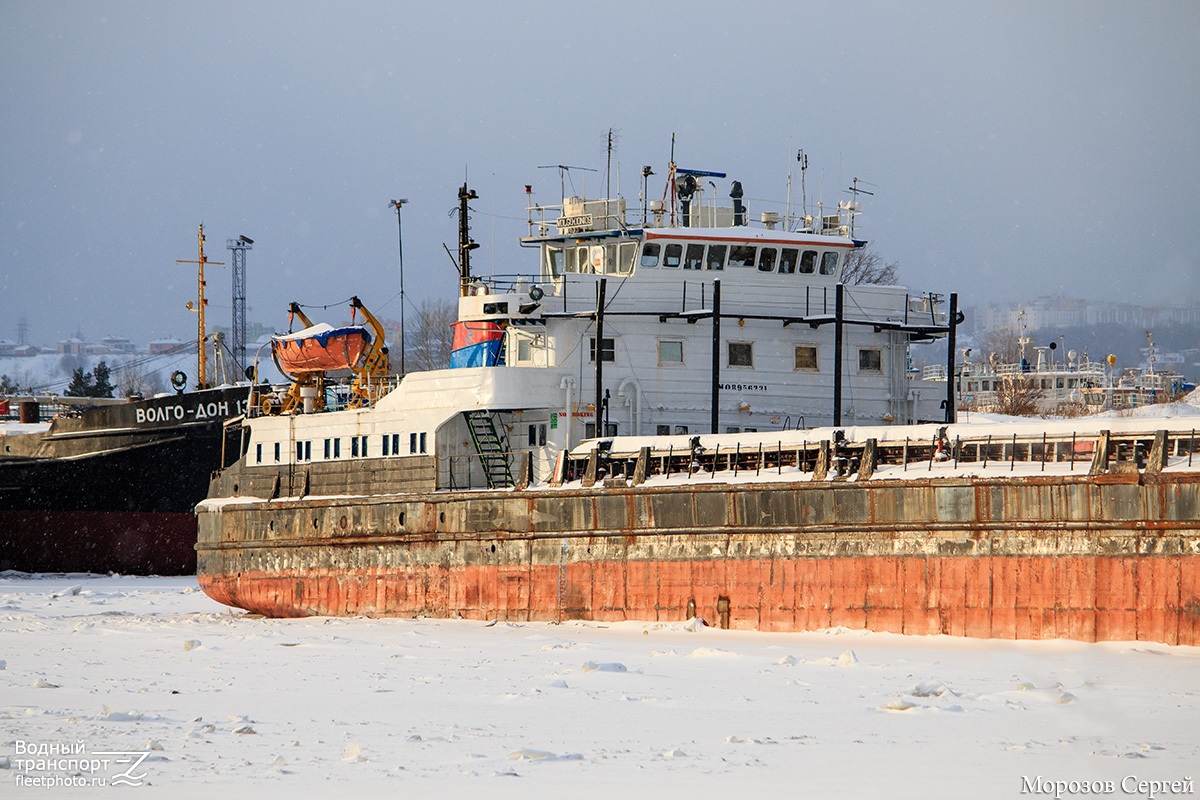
{"x": 1015, "y": 149}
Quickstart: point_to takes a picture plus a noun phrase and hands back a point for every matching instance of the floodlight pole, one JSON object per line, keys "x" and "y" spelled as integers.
{"x": 396, "y": 204}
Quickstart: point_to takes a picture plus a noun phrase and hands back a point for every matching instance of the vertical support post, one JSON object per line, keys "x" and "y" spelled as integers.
{"x": 838, "y": 308}
{"x": 599, "y": 356}
{"x": 715, "y": 413}
{"x": 951, "y": 350}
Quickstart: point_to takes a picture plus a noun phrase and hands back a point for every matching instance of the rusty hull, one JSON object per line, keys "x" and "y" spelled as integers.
{"x": 1085, "y": 558}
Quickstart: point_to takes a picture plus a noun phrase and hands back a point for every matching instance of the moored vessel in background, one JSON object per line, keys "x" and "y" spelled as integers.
{"x": 111, "y": 487}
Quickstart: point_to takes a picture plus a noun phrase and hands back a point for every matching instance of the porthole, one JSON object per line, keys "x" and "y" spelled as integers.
{"x": 343, "y": 522}
{"x": 402, "y": 519}
{"x": 442, "y": 517}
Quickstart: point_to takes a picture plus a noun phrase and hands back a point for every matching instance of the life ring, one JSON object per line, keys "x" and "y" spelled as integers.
{"x": 536, "y": 294}
{"x": 179, "y": 380}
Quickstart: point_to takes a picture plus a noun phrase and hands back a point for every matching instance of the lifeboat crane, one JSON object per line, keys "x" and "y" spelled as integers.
{"x": 308, "y": 355}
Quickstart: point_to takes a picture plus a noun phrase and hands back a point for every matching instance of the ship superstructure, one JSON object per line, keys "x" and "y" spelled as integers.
{"x": 688, "y": 319}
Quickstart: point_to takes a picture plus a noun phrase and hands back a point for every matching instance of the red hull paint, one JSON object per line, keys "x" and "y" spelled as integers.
{"x": 1088, "y": 598}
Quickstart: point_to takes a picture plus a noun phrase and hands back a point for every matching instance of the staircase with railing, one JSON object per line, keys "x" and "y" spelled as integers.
{"x": 492, "y": 447}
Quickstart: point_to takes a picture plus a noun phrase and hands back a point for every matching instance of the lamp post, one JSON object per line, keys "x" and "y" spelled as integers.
{"x": 396, "y": 204}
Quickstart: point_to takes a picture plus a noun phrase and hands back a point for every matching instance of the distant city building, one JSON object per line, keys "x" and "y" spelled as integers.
{"x": 117, "y": 345}
{"x": 7, "y": 347}
{"x": 1047, "y": 313}
{"x": 73, "y": 347}
{"x": 164, "y": 346}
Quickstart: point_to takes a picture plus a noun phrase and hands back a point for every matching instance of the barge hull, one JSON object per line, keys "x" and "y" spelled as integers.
{"x": 1080, "y": 558}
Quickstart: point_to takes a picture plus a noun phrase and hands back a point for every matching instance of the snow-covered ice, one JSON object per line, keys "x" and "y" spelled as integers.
{"x": 217, "y": 702}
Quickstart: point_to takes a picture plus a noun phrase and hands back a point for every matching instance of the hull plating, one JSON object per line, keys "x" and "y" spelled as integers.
{"x": 1079, "y": 558}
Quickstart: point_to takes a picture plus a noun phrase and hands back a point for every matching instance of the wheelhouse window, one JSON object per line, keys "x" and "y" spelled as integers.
{"x": 742, "y": 255}
{"x": 740, "y": 354}
{"x": 829, "y": 262}
{"x": 670, "y": 353}
{"x": 608, "y": 349}
{"x": 806, "y": 357}
{"x": 672, "y": 255}
{"x": 650, "y": 254}
{"x": 787, "y": 260}
{"x": 693, "y": 257}
{"x": 766, "y": 259}
{"x": 626, "y": 253}
{"x": 715, "y": 258}
{"x": 554, "y": 261}
{"x": 808, "y": 262}
{"x": 870, "y": 359}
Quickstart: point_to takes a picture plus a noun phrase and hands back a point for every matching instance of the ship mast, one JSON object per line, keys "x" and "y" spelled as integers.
{"x": 198, "y": 307}
{"x": 465, "y": 243}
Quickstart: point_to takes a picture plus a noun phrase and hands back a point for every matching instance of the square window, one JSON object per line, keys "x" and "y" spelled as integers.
{"x": 694, "y": 256}
{"x": 673, "y": 255}
{"x": 715, "y": 259}
{"x": 741, "y": 354}
{"x": 808, "y": 262}
{"x": 766, "y": 259}
{"x": 829, "y": 262}
{"x": 608, "y": 350}
{"x": 787, "y": 260}
{"x": 870, "y": 359}
{"x": 627, "y": 252}
{"x": 662, "y": 430}
{"x": 650, "y": 253}
{"x": 742, "y": 255}
{"x": 806, "y": 357}
{"x": 670, "y": 353}
{"x": 681, "y": 429}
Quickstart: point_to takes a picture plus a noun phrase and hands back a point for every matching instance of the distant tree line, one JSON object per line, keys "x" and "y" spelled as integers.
{"x": 96, "y": 383}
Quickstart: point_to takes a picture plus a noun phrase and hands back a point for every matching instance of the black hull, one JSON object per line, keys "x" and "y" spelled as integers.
{"x": 112, "y": 499}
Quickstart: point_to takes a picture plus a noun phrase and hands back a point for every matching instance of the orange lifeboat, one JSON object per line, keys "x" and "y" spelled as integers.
{"x": 321, "y": 348}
